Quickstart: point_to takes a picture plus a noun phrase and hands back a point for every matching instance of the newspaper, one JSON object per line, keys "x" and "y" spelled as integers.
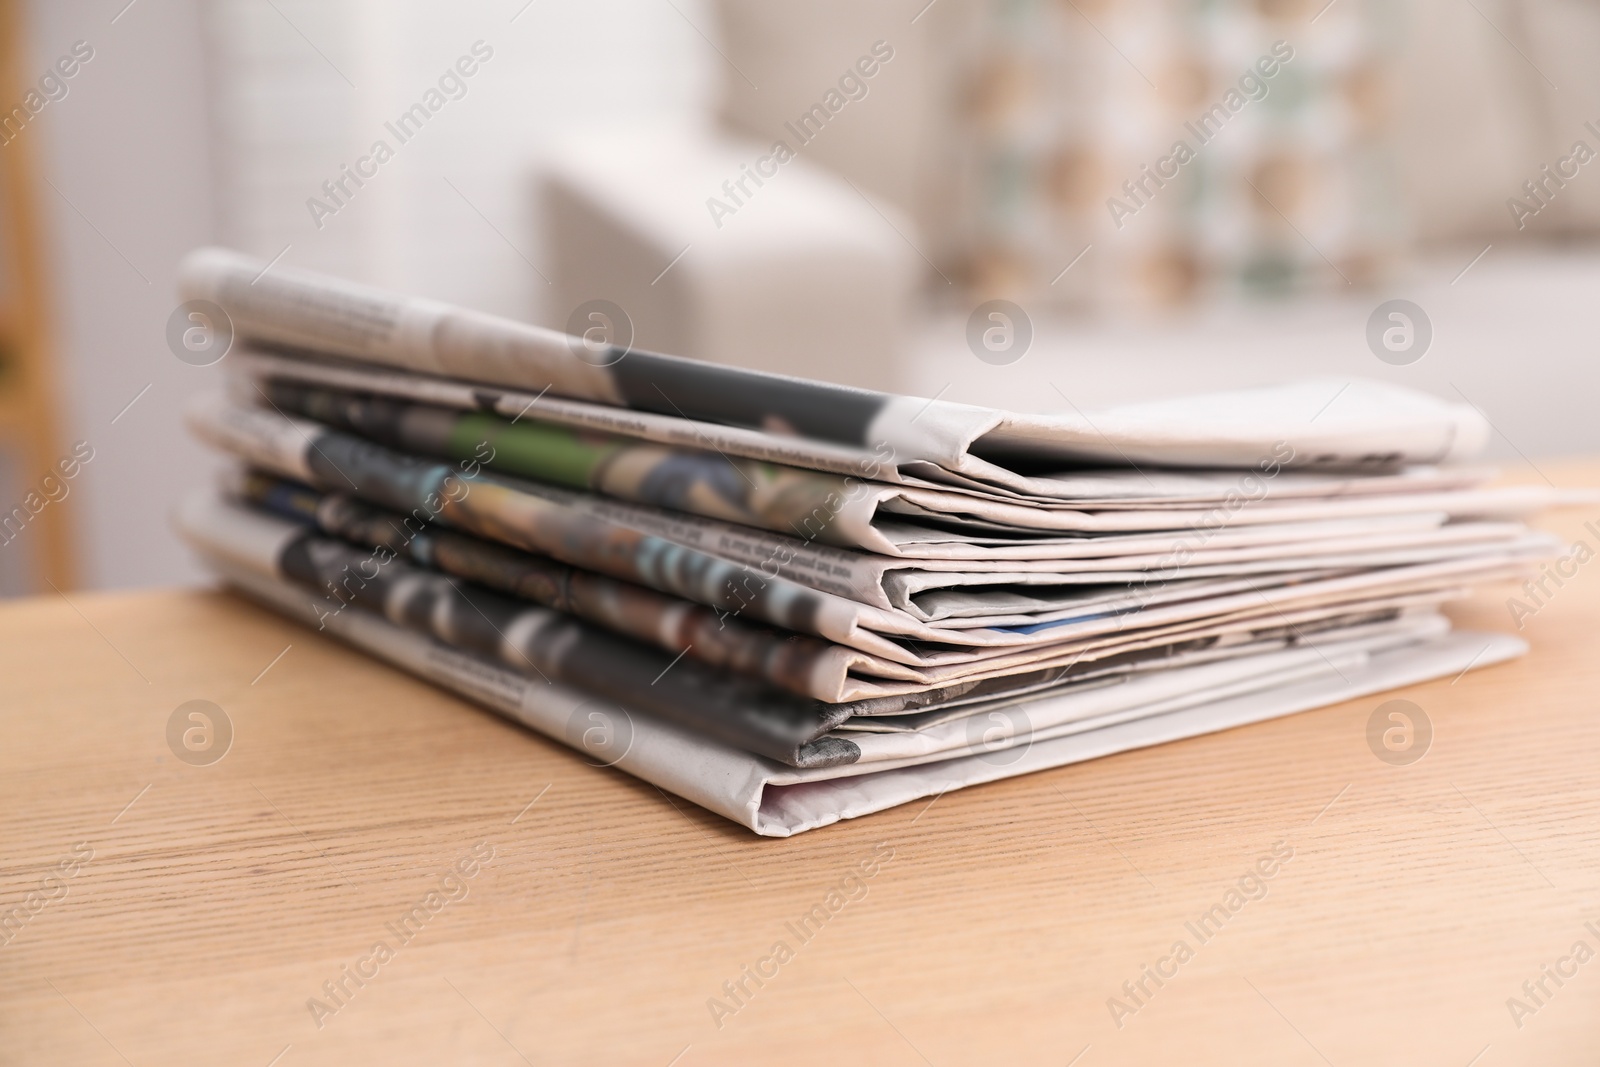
{"x": 1360, "y": 424}
{"x": 930, "y": 597}
{"x": 797, "y": 662}
{"x": 814, "y": 668}
{"x": 776, "y": 800}
{"x": 794, "y": 602}
{"x": 553, "y": 647}
{"x": 549, "y": 645}
{"x": 564, "y": 525}
{"x": 897, "y": 520}
{"x": 557, "y": 647}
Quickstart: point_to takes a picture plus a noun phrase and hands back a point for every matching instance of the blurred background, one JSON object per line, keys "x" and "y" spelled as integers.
{"x": 1167, "y": 195}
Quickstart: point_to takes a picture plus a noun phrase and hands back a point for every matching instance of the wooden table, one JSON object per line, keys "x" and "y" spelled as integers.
{"x": 208, "y": 904}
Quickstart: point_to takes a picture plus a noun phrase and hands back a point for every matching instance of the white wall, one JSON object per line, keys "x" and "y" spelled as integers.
{"x": 127, "y": 148}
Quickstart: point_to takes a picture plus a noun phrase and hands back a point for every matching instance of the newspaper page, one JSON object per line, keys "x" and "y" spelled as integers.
{"x": 813, "y": 668}
{"x": 819, "y": 507}
{"x": 527, "y": 517}
{"x": 1337, "y": 424}
{"x": 864, "y": 576}
{"x": 1094, "y": 486}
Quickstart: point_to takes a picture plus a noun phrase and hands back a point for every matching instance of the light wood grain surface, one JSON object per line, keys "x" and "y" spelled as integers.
{"x": 209, "y": 904}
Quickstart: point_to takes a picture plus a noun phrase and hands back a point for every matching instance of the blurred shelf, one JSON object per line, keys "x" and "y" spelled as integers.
{"x": 28, "y": 419}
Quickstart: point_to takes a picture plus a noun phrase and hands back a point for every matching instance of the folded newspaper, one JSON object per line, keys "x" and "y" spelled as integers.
{"x": 795, "y": 602}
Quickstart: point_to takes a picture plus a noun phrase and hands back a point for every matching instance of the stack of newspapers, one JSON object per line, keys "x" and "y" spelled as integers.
{"x": 794, "y": 602}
